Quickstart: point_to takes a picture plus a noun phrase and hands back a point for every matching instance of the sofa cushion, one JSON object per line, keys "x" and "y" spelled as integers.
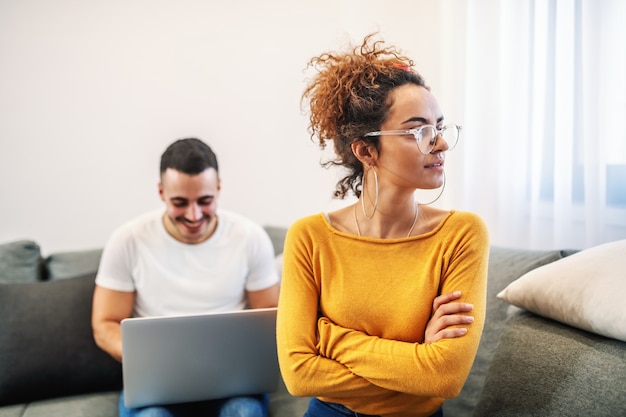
{"x": 505, "y": 266}
{"x": 19, "y": 261}
{"x": 277, "y": 236}
{"x": 72, "y": 264}
{"x": 102, "y": 404}
{"x": 544, "y": 368}
{"x": 283, "y": 404}
{"x": 46, "y": 343}
{"x": 585, "y": 290}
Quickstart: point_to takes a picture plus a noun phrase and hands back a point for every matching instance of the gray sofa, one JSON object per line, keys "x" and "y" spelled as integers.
{"x": 526, "y": 365}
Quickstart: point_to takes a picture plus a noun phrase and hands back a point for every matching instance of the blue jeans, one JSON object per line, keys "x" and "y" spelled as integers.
{"x": 252, "y": 406}
{"x": 319, "y": 408}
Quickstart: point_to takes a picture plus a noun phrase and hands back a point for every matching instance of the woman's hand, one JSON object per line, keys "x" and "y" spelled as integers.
{"x": 446, "y": 314}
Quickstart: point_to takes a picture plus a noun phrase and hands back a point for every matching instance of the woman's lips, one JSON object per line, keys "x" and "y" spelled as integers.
{"x": 438, "y": 164}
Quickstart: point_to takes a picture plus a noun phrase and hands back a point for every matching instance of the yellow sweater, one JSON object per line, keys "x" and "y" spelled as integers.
{"x": 353, "y": 312}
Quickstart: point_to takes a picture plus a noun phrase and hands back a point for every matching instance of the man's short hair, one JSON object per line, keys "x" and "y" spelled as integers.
{"x": 190, "y": 156}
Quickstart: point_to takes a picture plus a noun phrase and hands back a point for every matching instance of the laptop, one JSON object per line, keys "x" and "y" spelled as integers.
{"x": 178, "y": 359}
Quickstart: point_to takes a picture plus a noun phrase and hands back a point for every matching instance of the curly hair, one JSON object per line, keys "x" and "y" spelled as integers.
{"x": 350, "y": 96}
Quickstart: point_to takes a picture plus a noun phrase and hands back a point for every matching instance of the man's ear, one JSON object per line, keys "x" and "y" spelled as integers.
{"x": 160, "y": 185}
{"x": 364, "y": 152}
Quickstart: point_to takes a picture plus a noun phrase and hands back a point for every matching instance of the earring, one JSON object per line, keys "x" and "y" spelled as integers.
{"x": 363, "y": 196}
{"x": 443, "y": 187}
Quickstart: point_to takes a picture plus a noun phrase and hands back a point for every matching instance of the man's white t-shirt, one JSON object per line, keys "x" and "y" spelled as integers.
{"x": 175, "y": 278}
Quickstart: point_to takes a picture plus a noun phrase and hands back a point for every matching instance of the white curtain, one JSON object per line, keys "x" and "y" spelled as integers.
{"x": 541, "y": 89}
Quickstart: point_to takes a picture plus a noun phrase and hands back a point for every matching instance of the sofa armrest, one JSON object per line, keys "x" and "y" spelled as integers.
{"x": 20, "y": 261}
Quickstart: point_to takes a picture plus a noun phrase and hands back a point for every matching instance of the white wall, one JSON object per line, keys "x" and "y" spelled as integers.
{"x": 92, "y": 92}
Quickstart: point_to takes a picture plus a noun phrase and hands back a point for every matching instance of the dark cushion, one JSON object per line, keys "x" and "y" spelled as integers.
{"x": 545, "y": 368}
{"x": 46, "y": 344}
{"x": 19, "y": 261}
{"x": 72, "y": 264}
{"x": 505, "y": 266}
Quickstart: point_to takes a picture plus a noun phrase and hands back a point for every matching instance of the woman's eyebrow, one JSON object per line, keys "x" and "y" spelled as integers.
{"x": 422, "y": 120}
{"x": 415, "y": 119}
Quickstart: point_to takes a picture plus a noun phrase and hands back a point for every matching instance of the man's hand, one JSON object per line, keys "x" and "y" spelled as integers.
{"x": 446, "y": 314}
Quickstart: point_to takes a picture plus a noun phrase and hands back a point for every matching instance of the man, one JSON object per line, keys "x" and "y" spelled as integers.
{"x": 190, "y": 258}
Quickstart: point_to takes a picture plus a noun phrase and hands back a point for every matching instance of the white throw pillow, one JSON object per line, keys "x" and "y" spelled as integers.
{"x": 584, "y": 290}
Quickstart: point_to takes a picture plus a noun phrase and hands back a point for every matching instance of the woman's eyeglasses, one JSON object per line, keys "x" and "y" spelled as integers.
{"x": 426, "y": 136}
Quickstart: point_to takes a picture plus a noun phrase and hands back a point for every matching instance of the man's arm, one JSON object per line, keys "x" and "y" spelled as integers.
{"x": 264, "y": 298}
{"x": 110, "y": 307}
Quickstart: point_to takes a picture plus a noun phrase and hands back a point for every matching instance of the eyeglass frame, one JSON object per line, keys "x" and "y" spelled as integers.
{"x": 418, "y": 131}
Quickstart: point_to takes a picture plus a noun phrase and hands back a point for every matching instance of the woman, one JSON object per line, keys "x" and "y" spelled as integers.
{"x": 382, "y": 302}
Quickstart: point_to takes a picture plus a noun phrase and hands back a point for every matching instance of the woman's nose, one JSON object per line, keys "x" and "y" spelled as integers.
{"x": 440, "y": 143}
